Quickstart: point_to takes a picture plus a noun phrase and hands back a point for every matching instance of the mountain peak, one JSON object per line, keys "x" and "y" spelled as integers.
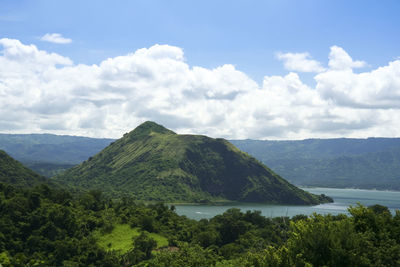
{"x": 148, "y": 127}
{"x": 153, "y": 163}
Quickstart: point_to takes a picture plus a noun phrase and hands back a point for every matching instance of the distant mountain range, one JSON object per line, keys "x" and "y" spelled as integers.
{"x": 153, "y": 163}
{"x": 50, "y": 154}
{"x": 359, "y": 163}
{"x": 372, "y": 163}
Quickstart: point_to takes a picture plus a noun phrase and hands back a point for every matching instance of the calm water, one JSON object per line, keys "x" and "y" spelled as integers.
{"x": 343, "y": 199}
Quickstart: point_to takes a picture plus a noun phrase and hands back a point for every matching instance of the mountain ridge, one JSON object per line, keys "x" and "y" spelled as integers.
{"x": 371, "y": 163}
{"x": 368, "y": 163}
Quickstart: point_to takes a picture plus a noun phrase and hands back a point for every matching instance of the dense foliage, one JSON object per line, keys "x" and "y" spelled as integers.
{"x": 13, "y": 172}
{"x": 49, "y": 227}
{"x": 359, "y": 163}
{"x": 155, "y": 164}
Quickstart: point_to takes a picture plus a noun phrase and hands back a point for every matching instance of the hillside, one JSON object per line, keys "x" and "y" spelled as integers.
{"x": 359, "y": 163}
{"x": 156, "y": 164}
{"x": 13, "y": 172}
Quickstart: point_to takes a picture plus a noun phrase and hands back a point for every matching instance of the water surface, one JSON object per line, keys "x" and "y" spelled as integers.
{"x": 343, "y": 199}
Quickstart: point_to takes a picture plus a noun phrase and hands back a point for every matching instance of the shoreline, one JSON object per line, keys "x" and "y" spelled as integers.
{"x": 347, "y": 188}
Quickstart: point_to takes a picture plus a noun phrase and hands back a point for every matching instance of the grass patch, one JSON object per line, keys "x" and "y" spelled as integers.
{"x": 121, "y": 238}
{"x": 161, "y": 241}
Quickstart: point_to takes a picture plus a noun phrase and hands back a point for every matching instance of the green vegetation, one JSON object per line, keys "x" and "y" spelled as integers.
{"x": 51, "y": 227}
{"x": 372, "y": 163}
{"x": 161, "y": 241}
{"x": 120, "y": 238}
{"x": 153, "y": 163}
{"x": 13, "y": 172}
{"x": 48, "y": 169}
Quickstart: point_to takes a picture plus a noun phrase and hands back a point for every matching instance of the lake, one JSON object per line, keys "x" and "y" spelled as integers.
{"x": 343, "y": 199}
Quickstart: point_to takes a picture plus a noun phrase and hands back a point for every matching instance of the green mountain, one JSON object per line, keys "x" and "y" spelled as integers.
{"x": 156, "y": 164}
{"x": 13, "y": 172}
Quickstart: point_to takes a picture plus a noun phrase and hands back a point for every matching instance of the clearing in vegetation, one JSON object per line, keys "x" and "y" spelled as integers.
{"x": 121, "y": 238}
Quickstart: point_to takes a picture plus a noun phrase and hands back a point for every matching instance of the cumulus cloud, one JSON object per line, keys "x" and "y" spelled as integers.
{"x": 377, "y": 89}
{"x": 55, "y": 38}
{"x": 300, "y": 62}
{"x": 28, "y": 56}
{"x": 47, "y": 92}
{"x": 340, "y": 60}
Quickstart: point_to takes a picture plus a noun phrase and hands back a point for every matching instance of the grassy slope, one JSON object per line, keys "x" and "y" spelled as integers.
{"x": 153, "y": 163}
{"x": 121, "y": 238}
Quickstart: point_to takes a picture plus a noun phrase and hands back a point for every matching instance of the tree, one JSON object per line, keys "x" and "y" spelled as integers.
{"x": 323, "y": 241}
{"x": 145, "y": 244}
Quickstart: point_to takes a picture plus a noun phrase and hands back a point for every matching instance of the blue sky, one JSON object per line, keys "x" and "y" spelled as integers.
{"x": 244, "y": 33}
{"x": 249, "y": 35}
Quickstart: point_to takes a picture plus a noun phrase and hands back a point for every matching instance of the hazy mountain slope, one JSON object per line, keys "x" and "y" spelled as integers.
{"x": 360, "y": 163}
{"x": 51, "y": 148}
{"x": 154, "y": 163}
{"x": 48, "y": 154}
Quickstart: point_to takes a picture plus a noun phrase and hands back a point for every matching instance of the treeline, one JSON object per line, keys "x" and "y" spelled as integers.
{"x": 51, "y": 227}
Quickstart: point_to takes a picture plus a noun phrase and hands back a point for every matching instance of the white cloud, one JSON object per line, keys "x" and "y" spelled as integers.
{"x": 340, "y": 60}
{"x": 377, "y": 89}
{"x": 55, "y": 38}
{"x": 46, "y": 92}
{"x": 300, "y": 62}
{"x": 16, "y": 53}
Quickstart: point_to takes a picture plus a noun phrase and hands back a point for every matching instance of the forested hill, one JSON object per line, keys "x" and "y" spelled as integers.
{"x": 360, "y": 163}
{"x": 13, "y": 172}
{"x": 156, "y": 164}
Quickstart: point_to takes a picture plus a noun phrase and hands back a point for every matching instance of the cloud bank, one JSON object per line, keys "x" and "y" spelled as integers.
{"x": 47, "y": 92}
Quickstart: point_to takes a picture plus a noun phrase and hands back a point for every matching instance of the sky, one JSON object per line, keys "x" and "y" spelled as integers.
{"x": 232, "y": 69}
